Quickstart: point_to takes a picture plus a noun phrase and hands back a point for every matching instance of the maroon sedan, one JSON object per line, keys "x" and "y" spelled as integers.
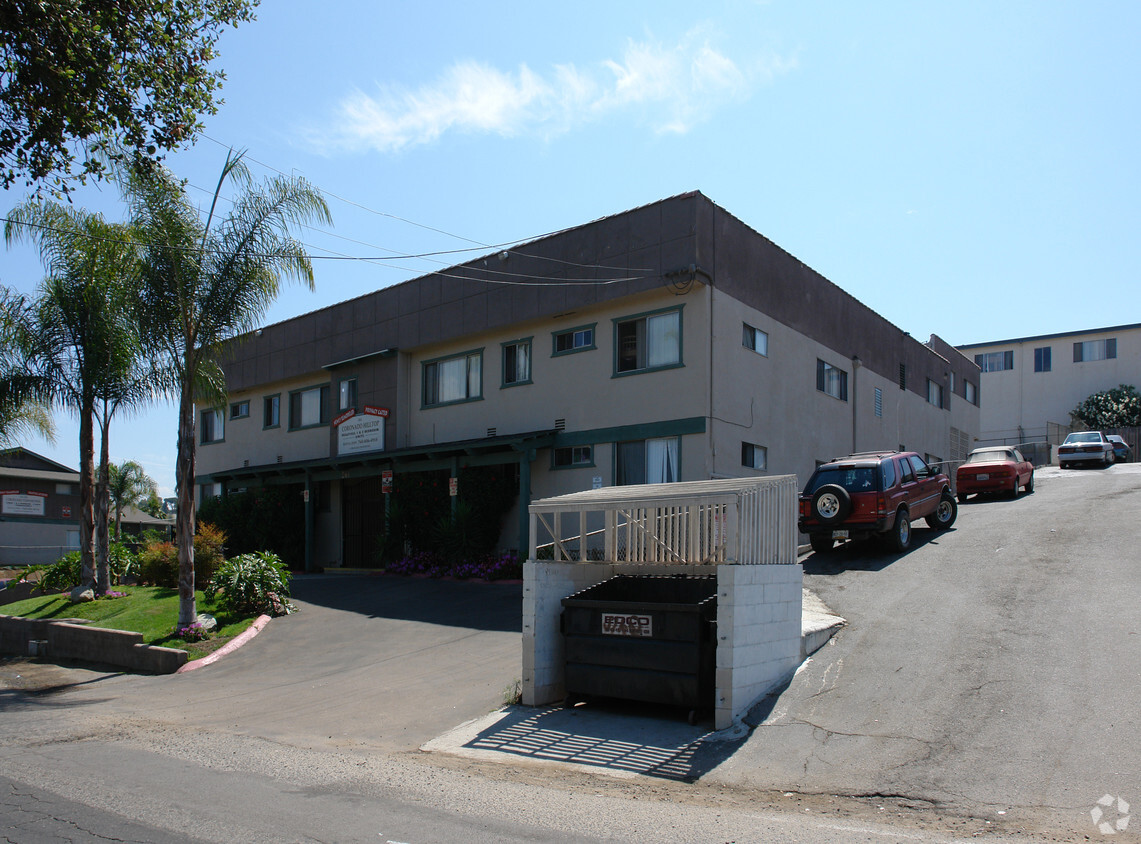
{"x": 994, "y": 469}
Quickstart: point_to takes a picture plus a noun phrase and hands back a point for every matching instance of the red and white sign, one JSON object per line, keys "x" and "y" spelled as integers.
{"x": 624, "y": 624}
{"x": 386, "y": 481}
{"x": 453, "y": 486}
{"x": 370, "y": 410}
{"x": 356, "y": 434}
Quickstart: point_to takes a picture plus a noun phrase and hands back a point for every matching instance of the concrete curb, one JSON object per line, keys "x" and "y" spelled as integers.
{"x": 229, "y": 647}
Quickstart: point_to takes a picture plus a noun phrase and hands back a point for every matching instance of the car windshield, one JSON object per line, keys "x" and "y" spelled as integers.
{"x": 1088, "y": 437}
{"x": 990, "y": 455}
{"x": 852, "y": 478}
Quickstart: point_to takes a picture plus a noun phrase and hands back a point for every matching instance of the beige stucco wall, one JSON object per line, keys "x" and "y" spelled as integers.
{"x": 1017, "y": 404}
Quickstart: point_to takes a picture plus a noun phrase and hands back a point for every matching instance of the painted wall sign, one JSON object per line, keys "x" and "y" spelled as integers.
{"x": 18, "y": 504}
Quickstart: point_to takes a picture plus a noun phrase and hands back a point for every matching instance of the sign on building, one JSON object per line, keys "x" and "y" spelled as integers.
{"x": 19, "y": 504}
{"x": 357, "y": 433}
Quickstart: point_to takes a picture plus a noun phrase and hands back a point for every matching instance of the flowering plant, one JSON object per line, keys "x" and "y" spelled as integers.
{"x": 194, "y": 632}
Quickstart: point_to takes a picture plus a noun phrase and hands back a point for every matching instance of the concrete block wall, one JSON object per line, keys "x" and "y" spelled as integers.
{"x": 89, "y": 644}
{"x": 545, "y": 584}
{"x": 758, "y": 634}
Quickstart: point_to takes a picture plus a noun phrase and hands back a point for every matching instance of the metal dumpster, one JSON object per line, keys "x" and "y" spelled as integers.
{"x": 644, "y": 638}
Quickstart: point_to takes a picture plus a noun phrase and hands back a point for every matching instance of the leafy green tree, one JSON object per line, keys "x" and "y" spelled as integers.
{"x": 205, "y": 281}
{"x": 152, "y": 505}
{"x": 77, "y": 332}
{"x": 77, "y": 76}
{"x": 1119, "y": 407}
{"x": 129, "y": 485}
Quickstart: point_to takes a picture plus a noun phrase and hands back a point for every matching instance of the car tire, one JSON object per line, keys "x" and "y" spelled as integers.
{"x": 821, "y": 543}
{"x": 945, "y": 513}
{"x": 962, "y": 498}
{"x": 1013, "y": 491}
{"x": 1062, "y": 465}
{"x": 1030, "y": 483}
{"x": 1110, "y": 459}
{"x": 831, "y": 504}
{"x": 899, "y": 537}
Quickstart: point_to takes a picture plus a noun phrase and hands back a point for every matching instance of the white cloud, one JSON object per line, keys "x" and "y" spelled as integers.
{"x": 669, "y": 88}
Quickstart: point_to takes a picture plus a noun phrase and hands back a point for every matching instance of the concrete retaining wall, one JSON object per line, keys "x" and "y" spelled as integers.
{"x": 64, "y": 640}
{"x": 758, "y": 627}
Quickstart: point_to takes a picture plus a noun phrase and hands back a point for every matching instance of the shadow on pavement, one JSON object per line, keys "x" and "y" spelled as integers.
{"x": 616, "y": 737}
{"x": 473, "y": 604}
{"x": 866, "y": 554}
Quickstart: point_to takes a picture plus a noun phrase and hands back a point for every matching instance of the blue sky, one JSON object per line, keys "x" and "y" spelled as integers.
{"x": 967, "y": 169}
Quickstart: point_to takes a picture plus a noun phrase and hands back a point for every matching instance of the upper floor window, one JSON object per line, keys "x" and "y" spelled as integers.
{"x": 831, "y": 380}
{"x": 573, "y": 340}
{"x": 995, "y": 361}
{"x": 1042, "y": 359}
{"x": 756, "y": 340}
{"x": 347, "y": 394}
{"x": 213, "y": 427}
{"x": 934, "y": 393}
{"x": 271, "y": 411}
{"x": 309, "y": 407}
{"x": 970, "y": 392}
{"x": 240, "y": 410}
{"x": 454, "y": 379}
{"x": 1095, "y": 350}
{"x": 648, "y": 342}
{"x": 754, "y": 456}
{"x": 517, "y": 362}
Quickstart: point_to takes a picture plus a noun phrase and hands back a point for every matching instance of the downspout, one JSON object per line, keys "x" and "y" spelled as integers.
{"x": 856, "y": 364}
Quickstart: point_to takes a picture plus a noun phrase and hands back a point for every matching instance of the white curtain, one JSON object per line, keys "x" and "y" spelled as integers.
{"x": 661, "y": 460}
{"x": 453, "y": 379}
{"x": 664, "y": 333}
{"x": 473, "y": 376}
{"x": 310, "y": 407}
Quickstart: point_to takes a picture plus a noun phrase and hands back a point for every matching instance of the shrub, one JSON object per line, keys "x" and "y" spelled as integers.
{"x": 158, "y": 561}
{"x": 265, "y": 519}
{"x": 252, "y": 584}
{"x": 63, "y": 574}
{"x": 122, "y": 561}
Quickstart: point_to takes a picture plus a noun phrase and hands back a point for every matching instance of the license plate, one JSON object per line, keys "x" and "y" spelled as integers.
{"x": 839, "y": 534}
{"x": 982, "y": 477}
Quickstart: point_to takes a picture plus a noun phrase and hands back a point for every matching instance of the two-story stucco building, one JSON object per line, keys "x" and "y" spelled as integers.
{"x": 1032, "y": 383}
{"x": 669, "y": 342}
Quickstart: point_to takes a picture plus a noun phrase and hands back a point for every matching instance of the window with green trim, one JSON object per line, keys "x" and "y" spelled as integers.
{"x": 648, "y": 342}
{"x": 571, "y": 456}
{"x": 308, "y": 408}
{"x": 653, "y": 461}
{"x": 212, "y": 428}
{"x": 347, "y": 393}
{"x": 454, "y": 379}
{"x": 240, "y": 410}
{"x": 571, "y": 340}
{"x": 271, "y": 411}
{"x": 517, "y": 362}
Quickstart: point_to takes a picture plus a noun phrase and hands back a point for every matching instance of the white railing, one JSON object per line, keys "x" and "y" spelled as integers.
{"x": 747, "y": 521}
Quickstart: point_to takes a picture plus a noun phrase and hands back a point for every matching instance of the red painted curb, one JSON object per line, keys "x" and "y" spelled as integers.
{"x": 229, "y": 647}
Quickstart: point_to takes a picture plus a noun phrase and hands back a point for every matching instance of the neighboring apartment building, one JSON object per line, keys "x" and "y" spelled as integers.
{"x": 39, "y": 511}
{"x": 670, "y": 342}
{"x": 1032, "y": 383}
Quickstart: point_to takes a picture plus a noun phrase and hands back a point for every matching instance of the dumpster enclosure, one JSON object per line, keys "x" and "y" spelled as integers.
{"x": 737, "y": 535}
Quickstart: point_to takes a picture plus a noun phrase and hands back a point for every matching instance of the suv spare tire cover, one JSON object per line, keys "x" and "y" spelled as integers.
{"x": 831, "y": 504}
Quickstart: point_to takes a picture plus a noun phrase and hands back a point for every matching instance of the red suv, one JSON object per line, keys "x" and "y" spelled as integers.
{"x": 875, "y": 493}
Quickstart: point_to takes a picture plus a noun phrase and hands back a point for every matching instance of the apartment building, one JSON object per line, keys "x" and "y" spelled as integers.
{"x": 1032, "y": 383}
{"x": 669, "y": 342}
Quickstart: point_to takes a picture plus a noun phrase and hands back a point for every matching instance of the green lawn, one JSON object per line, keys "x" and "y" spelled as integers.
{"x": 149, "y": 610}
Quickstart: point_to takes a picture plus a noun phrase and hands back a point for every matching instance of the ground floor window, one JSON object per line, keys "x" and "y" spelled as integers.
{"x": 653, "y": 461}
{"x": 754, "y": 456}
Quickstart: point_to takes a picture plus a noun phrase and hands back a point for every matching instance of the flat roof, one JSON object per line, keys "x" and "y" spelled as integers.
{"x": 1050, "y": 336}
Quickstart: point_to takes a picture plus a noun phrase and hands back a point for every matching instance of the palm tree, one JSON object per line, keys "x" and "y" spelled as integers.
{"x": 205, "y": 281}
{"x": 129, "y": 485}
{"x": 78, "y": 331}
{"x": 24, "y": 391}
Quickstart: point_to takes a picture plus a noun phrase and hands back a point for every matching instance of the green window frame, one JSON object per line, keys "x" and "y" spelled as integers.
{"x": 648, "y": 342}
{"x": 307, "y": 403}
{"x": 452, "y": 379}
{"x": 517, "y": 360}
{"x": 271, "y": 411}
{"x": 212, "y": 428}
{"x": 570, "y": 341}
{"x": 347, "y": 393}
{"x": 572, "y": 456}
{"x": 240, "y": 409}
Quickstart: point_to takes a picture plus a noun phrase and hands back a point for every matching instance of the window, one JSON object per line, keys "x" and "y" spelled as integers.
{"x": 934, "y": 393}
{"x": 1095, "y": 350}
{"x": 996, "y": 361}
{"x": 1042, "y": 359}
{"x": 240, "y": 410}
{"x": 756, "y": 340}
{"x": 517, "y": 362}
{"x": 571, "y": 456}
{"x": 209, "y": 490}
{"x": 308, "y": 408}
{"x": 970, "y": 392}
{"x": 271, "y": 411}
{"x": 831, "y": 380}
{"x": 573, "y": 340}
{"x": 648, "y": 461}
{"x": 347, "y": 394}
{"x": 879, "y": 402}
{"x": 754, "y": 456}
{"x": 66, "y": 489}
{"x": 453, "y": 379}
{"x": 648, "y": 342}
{"x": 888, "y": 474}
{"x": 213, "y": 428}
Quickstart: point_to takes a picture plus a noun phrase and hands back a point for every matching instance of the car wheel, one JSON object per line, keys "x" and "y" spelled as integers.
{"x": 1030, "y": 483}
{"x": 831, "y": 504}
{"x": 962, "y": 497}
{"x": 945, "y": 513}
{"x": 1110, "y": 459}
{"x": 899, "y": 538}
{"x": 822, "y": 543}
{"x": 1062, "y": 465}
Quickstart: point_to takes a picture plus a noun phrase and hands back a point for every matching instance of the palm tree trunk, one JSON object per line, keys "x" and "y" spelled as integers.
{"x": 102, "y": 509}
{"x": 184, "y": 519}
{"x": 87, "y": 495}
